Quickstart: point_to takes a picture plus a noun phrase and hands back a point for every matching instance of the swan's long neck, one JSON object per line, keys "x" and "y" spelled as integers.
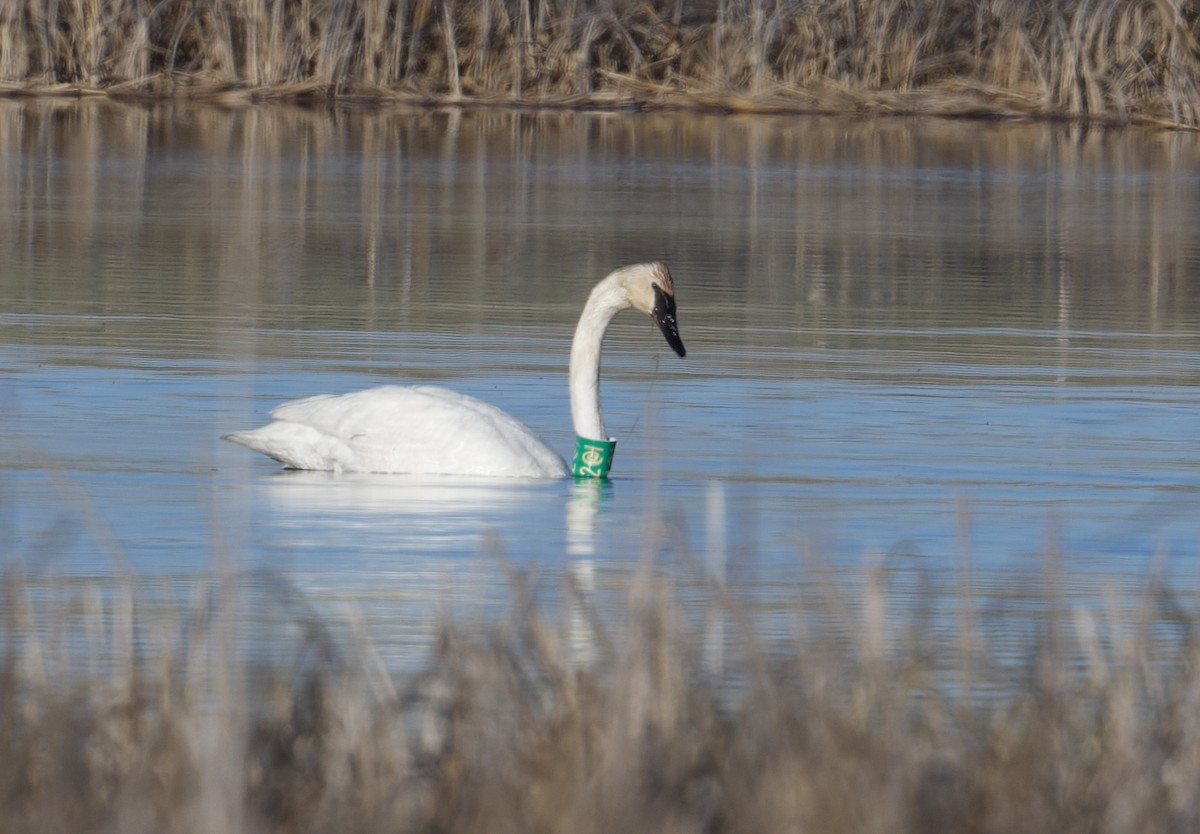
{"x": 606, "y": 301}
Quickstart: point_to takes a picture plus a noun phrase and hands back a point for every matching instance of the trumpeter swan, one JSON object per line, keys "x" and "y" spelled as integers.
{"x": 428, "y": 430}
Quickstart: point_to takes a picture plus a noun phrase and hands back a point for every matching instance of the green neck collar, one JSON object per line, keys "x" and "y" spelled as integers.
{"x": 593, "y": 458}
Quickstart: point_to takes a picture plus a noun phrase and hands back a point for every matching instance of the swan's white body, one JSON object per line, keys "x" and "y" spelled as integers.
{"x": 434, "y": 431}
{"x": 395, "y": 428}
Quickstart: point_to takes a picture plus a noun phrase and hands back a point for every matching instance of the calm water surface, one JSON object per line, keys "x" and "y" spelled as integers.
{"x": 939, "y": 344}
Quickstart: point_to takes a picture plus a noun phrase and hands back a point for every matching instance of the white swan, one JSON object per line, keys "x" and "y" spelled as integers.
{"x": 434, "y": 431}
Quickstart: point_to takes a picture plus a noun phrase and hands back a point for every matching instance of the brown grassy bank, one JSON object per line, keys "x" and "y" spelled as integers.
{"x": 1109, "y": 60}
{"x": 122, "y": 712}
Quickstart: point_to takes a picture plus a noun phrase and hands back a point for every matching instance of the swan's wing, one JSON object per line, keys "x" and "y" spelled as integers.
{"x": 420, "y": 429}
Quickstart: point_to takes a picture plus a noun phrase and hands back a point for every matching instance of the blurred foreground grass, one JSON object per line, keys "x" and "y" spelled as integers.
{"x": 126, "y": 711}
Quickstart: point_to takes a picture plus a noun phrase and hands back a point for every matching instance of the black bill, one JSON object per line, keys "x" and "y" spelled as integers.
{"x": 664, "y": 316}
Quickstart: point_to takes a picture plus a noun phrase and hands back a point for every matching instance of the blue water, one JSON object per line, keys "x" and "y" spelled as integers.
{"x": 938, "y": 365}
{"x": 846, "y": 463}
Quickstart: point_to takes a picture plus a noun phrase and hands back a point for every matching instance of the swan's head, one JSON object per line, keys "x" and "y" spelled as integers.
{"x": 649, "y": 288}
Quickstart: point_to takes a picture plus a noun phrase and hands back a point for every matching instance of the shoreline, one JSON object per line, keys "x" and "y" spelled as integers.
{"x": 914, "y": 104}
{"x": 1100, "y": 62}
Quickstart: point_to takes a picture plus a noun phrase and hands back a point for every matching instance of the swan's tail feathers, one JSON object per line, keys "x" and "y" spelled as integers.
{"x": 293, "y": 445}
{"x": 245, "y": 438}
{"x": 254, "y": 441}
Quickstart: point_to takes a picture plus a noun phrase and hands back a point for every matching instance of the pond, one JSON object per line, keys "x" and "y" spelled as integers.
{"x": 953, "y": 348}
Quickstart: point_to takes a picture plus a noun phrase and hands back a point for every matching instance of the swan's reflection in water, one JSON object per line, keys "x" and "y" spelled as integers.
{"x": 584, "y": 507}
{"x": 395, "y": 514}
{"x": 584, "y": 503}
{"x": 402, "y": 553}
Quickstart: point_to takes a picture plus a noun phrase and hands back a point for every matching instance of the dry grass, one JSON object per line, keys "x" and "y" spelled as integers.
{"x": 1109, "y": 60}
{"x": 124, "y": 710}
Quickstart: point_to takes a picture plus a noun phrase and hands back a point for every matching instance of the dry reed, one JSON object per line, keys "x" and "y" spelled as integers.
{"x": 122, "y": 710}
{"x": 1109, "y": 60}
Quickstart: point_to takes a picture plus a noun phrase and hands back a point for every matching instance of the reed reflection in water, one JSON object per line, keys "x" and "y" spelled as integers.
{"x": 891, "y": 319}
